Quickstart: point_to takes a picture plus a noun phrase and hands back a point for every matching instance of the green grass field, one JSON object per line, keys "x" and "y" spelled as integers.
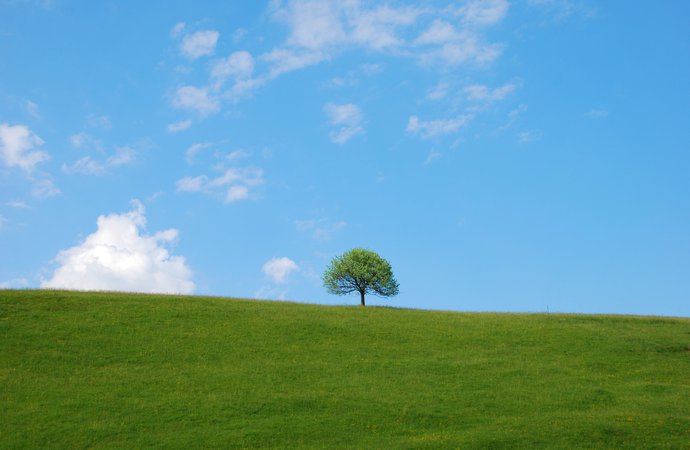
{"x": 136, "y": 371}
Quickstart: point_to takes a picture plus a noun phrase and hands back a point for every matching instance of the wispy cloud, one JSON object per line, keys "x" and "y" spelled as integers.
{"x": 347, "y": 120}
{"x": 90, "y": 166}
{"x": 484, "y": 94}
{"x": 176, "y": 127}
{"x": 17, "y": 204}
{"x": 598, "y": 113}
{"x": 32, "y": 109}
{"x": 232, "y": 185}
{"x": 44, "y": 188}
{"x": 320, "y": 229}
{"x": 439, "y": 127}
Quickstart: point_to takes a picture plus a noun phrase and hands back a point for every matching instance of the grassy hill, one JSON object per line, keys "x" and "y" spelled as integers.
{"x": 134, "y": 371}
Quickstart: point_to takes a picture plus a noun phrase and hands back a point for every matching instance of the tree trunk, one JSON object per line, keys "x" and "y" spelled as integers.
{"x": 361, "y": 293}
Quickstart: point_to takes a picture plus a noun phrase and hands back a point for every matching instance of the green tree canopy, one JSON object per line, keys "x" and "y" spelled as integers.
{"x": 360, "y": 270}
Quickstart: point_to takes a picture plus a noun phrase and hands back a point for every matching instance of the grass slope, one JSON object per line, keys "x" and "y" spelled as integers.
{"x": 133, "y": 371}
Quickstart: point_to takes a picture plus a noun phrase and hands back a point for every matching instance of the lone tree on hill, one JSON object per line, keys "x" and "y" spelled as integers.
{"x": 360, "y": 270}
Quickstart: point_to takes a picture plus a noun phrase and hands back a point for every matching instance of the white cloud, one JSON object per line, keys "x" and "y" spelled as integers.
{"x": 3, "y": 221}
{"x": 232, "y": 185}
{"x": 88, "y": 165}
{"x": 119, "y": 257}
{"x": 438, "y": 92}
{"x": 433, "y": 154}
{"x": 102, "y": 122}
{"x": 17, "y": 204}
{"x": 44, "y": 188}
{"x": 18, "y": 147}
{"x": 481, "y": 93}
{"x": 377, "y": 28}
{"x": 598, "y": 113}
{"x": 239, "y": 65}
{"x": 198, "y": 100}
{"x": 238, "y": 35}
{"x": 439, "y": 32}
{"x": 177, "y": 30}
{"x": 443, "y": 44}
{"x": 525, "y": 137}
{"x": 31, "y": 109}
{"x": 285, "y": 60}
{"x": 176, "y": 127}
{"x": 194, "y": 149}
{"x": 85, "y": 141}
{"x": 320, "y": 229}
{"x": 483, "y": 12}
{"x": 433, "y": 128}
{"x": 279, "y": 269}
{"x": 561, "y": 9}
{"x": 346, "y": 118}
{"x": 324, "y": 25}
{"x": 199, "y": 44}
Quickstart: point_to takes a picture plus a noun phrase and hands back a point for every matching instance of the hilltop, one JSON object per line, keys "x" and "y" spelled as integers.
{"x": 133, "y": 371}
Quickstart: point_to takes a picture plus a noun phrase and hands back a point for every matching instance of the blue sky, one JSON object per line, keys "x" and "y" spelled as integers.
{"x": 502, "y": 155}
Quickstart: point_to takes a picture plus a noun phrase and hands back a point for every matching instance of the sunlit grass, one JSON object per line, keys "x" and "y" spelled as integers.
{"x": 134, "y": 371}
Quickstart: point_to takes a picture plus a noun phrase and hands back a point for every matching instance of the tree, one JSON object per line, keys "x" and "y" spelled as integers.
{"x": 360, "y": 270}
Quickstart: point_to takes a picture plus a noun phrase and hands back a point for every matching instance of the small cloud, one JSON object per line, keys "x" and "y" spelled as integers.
{"x": 236, "y": 155}
{"x": 85, "y": 141}
{"x": 239, "y": 66}
{"x": 433, "y": 154}
{"x": 176, "y": 127}
{"x": 31, "y": 109}
{"x": 238, "y": 35}
{"x": 197, "y": 100}
{"x": 438, "y": 92}
{"x": 525, "y": 137}
{"x": 17, "y": 204}
{"x": 19, "y": 147}
{"x": 177, "y": 30}
{"x": 44, "y": 188}
{"x": 89, "y": 166}
{"x": 194, "y": 150}
{"x": 199, "y": 44}
{"x": 479, "y": 13}
{"x": 118, "y": 256}
{"x": 598, "y": 113}
{"x": 484, "y": 94}
{"x": 434, "y": 128}
{"x": 279, "y": 269}
{"x": 3, "y": 221}
{"x": 320, "y": 229}
{"x": 232, "y": 185}
{"x": 517, "y": 111}
{"x": 102, "y": 122}
{"x": 346, "y": 118}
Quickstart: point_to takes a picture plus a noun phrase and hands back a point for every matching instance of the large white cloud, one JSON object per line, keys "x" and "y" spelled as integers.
{"x": 118, "y": 257}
